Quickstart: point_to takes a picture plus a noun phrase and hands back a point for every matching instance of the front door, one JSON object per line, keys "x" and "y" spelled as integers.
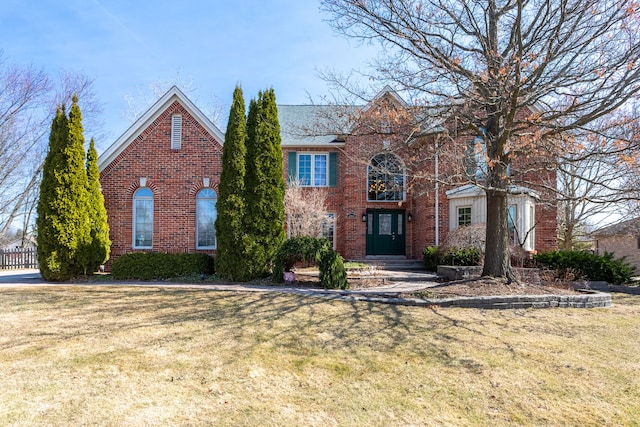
{"x": 385, "y": 232}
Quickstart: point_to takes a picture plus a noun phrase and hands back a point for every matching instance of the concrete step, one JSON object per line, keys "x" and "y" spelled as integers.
{"x": 394, "y": 264}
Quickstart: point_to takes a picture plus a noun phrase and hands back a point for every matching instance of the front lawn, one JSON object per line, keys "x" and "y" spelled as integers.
{"x": 103, "y": 355}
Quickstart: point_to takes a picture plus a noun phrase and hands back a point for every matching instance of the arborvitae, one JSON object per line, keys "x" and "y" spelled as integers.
{"x": 264, "y": 183}
{"x": 47, "y": 221}
{"x": 63, "y": 218}
{"x": 99, "y": 247}
{"x": 230, "y": 254}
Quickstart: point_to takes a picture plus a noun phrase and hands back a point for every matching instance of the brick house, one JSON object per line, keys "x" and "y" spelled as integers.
{"x": 622, "y": 239}
{"x": 159, "y": 180}
{"x": 160, "y": 176}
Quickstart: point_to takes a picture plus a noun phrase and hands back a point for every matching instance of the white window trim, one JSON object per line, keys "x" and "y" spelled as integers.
{"x": 176, "y": 131}
{"x": 313, "y": 154}
{"x": 333, "y": 217}
{"x": 215, "y": 243}
{"x": 135, "y": 215}
{"x": 404, "y": 181}
{"x": 458, "y": 215}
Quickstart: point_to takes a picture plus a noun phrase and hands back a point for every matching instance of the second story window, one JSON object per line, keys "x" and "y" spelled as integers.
{"x": 385, "y": 178}
{"x": 313, "y": 170}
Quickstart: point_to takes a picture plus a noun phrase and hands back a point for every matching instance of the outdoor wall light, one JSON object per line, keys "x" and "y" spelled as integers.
{"x": 364, "y": 217}
{"x": 409, "y": 217}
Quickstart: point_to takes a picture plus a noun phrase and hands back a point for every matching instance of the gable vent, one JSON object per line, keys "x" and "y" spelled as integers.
{"x": 176, "y": 132}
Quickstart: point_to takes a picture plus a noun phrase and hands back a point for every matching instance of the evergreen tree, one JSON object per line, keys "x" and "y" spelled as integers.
{"x": 264, "y": 194}
{"x": 230, "y": 254}
{"x": 47, "y": 222}
{"x": 99, "y": 246}
{"x": 63, "y": 218}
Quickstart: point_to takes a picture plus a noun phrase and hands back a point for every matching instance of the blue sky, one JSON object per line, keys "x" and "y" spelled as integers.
{"x": 126, "y": 45}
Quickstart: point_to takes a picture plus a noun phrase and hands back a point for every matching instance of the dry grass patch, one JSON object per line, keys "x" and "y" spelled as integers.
{"x": 165, "y": 356}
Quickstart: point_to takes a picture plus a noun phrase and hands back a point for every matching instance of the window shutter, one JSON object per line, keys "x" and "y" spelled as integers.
{"x": 292, "y": 166}
{"x": 176, "y": 132}
{"x": 333, "y": 169}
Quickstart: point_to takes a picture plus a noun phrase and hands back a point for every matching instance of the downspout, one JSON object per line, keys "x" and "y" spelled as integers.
{"x": 437, "y": 199}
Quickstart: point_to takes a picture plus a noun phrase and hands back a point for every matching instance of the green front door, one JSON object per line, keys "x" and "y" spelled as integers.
{"x": 385, "y": 232}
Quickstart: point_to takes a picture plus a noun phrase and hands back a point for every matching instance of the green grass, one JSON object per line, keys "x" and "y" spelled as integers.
{"x": 102, "y": 355}
{"x": 354, "y": 265}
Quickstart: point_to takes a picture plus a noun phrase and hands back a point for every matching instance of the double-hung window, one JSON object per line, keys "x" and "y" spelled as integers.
{"x": 313, "y": 170}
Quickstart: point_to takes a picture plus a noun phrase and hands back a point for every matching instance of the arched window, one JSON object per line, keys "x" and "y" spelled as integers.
{"x": 206, "y": 219}
{"x": 143, "y": 218}
{"x": 385, "y": 178}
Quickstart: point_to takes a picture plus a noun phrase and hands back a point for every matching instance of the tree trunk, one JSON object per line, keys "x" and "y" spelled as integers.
{"x": 497, "y": 262}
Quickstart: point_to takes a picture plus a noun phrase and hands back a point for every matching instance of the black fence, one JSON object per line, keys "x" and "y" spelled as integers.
{"x": 11, "y": 259}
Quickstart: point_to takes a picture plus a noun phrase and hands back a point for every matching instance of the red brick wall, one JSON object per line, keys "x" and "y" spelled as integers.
{"x": 349, "y": 199}
{"x": 175, "y": 176}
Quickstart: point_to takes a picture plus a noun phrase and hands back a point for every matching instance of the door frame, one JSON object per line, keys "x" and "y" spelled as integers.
{"x": 380, "y": 244}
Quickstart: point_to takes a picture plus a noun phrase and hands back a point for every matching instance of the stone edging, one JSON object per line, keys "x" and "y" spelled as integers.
{"x": 590, "y": 299}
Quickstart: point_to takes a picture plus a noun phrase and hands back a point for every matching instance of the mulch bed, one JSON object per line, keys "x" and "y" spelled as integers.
{"x": 493, "y": 287}
{"x": 458, "y": 288}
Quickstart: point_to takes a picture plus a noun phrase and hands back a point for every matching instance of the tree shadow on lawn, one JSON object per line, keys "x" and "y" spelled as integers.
{"x": 299, "y": 325}
{"x": 295, "y": 324}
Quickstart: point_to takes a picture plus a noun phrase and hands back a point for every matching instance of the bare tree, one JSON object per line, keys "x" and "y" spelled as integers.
{"x": 584, "y": 203}
{"x": 532, "y": 79}
{"x": 146, "y": 95}
{"x": 28, "y": 97}
{"x": 305, "y": 209}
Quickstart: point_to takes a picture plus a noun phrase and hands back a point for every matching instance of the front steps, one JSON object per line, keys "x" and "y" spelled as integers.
{"x": 393, "y": 263}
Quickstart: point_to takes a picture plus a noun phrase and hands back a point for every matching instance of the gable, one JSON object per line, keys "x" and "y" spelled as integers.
{"x": 628, "y": 227}
{"x": 174, "y": 100}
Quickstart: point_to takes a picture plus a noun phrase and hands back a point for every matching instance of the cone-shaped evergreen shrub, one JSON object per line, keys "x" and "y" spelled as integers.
{"x": 99, "y": 247}
{"x": 231, "y": 253}
{"x": 264, "y": 185}
{"x": 63, "y": 218}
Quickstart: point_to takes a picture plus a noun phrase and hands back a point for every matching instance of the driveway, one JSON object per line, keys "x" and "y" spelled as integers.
{"x": 20, "y": 277}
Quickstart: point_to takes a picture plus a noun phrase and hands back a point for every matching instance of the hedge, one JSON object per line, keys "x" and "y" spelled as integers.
{"x": 588, "y": 265}
{"x": 160, "y": 265}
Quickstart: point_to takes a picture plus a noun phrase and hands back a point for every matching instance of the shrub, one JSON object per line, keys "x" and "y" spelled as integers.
{"x": 460, "y": 256}
{"x": 462, "y": 246}
{"x": 434, "y": 256}
{"x": 158, "y": 265}
{"x": 430, "y": 257}
{"x": 318, "y": 250}
{"x": 472, "y": 235}
{"x": 588, "y": 265}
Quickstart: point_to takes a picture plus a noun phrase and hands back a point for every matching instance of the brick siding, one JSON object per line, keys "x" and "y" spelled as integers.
{"x": 175, "y": 176}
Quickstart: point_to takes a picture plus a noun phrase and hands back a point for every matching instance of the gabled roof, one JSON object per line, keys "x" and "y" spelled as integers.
{"x": 312, "y": 125}
{"x": 326, "y": 125}
{"x": 172, "y": 95}
{"x": 630, "y": 226}
{"x": 471, "y": 190}
{"x": 387, "y": 90}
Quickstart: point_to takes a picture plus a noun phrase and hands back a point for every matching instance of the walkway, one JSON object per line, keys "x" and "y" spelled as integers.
{"x": 398, "y": 282}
